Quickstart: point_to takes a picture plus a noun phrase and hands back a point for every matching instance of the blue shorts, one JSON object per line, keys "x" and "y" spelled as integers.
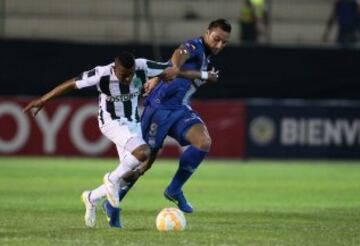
{"x": 157, "y": 123}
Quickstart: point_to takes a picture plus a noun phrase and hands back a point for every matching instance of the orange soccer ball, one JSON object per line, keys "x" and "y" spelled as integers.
{"x": 170, "y": 219}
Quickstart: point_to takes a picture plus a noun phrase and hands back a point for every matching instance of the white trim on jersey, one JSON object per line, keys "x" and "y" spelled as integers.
{"x": 152, "y": 68}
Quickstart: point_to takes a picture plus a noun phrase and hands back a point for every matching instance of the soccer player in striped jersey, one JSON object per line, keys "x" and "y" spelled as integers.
{"x": 119, "y": 85}
{"x": 168, "y": 113}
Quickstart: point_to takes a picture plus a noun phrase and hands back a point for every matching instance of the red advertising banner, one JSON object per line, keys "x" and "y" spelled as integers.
{"x": 69, "y": 127}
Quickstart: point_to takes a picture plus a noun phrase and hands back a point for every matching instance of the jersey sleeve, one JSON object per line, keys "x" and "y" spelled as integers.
{"x": 151, "y": 68}
{"x": 190, "y": 47}
{"x": 88, "y": 78}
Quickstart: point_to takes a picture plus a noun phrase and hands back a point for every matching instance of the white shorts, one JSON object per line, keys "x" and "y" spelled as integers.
{"x": 125, "y": 135}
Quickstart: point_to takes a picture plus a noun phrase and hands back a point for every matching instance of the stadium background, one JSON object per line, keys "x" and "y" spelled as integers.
{"x": 280, "y": 106}
{"x": 292, "y": 96}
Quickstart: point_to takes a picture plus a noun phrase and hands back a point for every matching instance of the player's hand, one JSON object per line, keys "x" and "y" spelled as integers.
{"x": 150, "y": 85}
{"x": 36, "y": 105}
{"x": 213, "y": 75}
{"x": 170, "y": 73}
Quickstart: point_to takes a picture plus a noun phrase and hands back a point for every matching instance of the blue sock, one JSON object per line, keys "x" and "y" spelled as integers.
{"x": 123, "y": 192}
{"x": 189, "y": 161}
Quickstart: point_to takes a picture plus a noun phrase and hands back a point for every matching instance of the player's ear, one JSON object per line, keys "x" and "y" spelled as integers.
{"x": 207, "y": 33}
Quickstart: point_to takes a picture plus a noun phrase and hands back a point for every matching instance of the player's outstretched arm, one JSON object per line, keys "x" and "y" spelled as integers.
{"x": 179, "y": 57}
{"x": 210, "y": 76}
{"x": 169, "y": 74}
{"x": 37, "y": 104}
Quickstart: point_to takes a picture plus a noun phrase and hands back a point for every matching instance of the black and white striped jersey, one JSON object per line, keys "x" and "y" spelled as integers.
{"x": 118, "y": 101}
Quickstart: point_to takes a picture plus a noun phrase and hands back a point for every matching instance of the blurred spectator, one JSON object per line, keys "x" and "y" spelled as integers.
{"x": 254, "y": 21}
{"x": 190, "y": 14}
{"x": 346, "y": 13}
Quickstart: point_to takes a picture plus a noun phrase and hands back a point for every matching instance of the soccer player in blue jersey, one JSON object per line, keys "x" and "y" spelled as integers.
{"x": 168, "y": 113}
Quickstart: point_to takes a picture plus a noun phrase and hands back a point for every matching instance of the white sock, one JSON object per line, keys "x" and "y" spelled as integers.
{"x": 97, "y": 194}
{"x": 129, "y": 162}
{"x": 100, "y": 192}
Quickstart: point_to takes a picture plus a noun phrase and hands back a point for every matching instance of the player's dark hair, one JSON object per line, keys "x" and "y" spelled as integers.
{"x": 126, "y": 59}
{"x": 221, "y": 23}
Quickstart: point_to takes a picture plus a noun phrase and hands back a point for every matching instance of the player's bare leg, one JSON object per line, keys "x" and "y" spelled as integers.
{"x": 199, "y": 137}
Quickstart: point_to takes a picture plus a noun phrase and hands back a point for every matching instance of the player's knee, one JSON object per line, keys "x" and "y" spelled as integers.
{"x": 142, "y": 153}
{"x": 204, "y": 143}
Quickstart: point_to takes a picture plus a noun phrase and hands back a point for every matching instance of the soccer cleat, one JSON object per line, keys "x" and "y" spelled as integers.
{"x": 90, "y": 209}
{"x": 112, "y": 191}
{"x": 112, "y": 214}
{"x": 180, "y": 200}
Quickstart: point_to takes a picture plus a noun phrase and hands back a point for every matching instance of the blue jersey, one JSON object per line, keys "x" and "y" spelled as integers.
{"x": 177, "y": 93}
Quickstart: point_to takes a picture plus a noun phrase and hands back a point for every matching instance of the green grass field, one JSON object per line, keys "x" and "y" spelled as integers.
{"x": 236, "y": 203}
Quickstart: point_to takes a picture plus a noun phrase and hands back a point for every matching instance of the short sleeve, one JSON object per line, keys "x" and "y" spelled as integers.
{"x": 191, "y": 48}
{"x": 151, "y": 68}
{"x": 88, "y": 78}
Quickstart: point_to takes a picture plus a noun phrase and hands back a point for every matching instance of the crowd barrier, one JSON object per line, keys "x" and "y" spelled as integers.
{"x": 302, "y": 129}
{"x": 239, "y": 129}
{"x": 70, "y": 127}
